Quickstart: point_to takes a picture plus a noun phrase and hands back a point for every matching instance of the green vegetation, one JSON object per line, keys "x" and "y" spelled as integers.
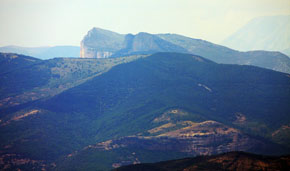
{"x": 39, "y": 79}
{"x": 99, "y": 102}
{"x": 11, "y": 61}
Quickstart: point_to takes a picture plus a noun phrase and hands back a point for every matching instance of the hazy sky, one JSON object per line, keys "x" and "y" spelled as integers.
{"x": 65, "y": 22}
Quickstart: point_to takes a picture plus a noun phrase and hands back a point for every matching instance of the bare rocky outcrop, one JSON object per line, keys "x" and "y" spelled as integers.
{"x": 204, "y": 138}
{"x": 100, "y": 43}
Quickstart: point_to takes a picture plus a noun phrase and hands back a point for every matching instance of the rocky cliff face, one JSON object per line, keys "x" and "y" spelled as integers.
{"x": 99, "y": 43}
{"x": 93, "y": 53}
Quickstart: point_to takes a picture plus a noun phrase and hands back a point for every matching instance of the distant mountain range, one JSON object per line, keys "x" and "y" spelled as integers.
{"x": 100, "y": 43}
{"x": 222, "y": 162}
{"x": 90, "y": 114}
{"x": 44, "y": 52}
{"x": 262, "y": 33}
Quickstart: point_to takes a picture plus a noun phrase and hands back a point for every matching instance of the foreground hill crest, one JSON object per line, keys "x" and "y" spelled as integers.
{"x": 227, "y": 161}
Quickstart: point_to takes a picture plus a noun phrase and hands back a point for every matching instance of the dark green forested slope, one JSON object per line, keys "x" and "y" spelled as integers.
{"x": 127, "y": 100}
{"x": 170, "y": 79}
{"x": 12, "y": 61}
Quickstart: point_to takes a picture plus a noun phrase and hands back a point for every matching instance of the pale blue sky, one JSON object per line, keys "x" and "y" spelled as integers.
{"x": 65, "y": 22}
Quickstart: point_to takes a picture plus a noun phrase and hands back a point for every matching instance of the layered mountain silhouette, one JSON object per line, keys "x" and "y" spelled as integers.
{"x": 44, "y": 52}
{"x": 91, "y": 114}
{"x": 100, "y": 43}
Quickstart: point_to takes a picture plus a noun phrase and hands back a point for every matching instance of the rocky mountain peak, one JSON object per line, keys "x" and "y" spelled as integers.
{"x": 100, "y": 43}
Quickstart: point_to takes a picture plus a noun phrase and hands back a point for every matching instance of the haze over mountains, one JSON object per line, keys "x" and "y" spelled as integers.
{"x": 73, "y": 114}
{"x": 263, "y": 33}
{"x": 44, "y": 52}
{"x": 144, "y": 98}
{"x": 99, "y": 43}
